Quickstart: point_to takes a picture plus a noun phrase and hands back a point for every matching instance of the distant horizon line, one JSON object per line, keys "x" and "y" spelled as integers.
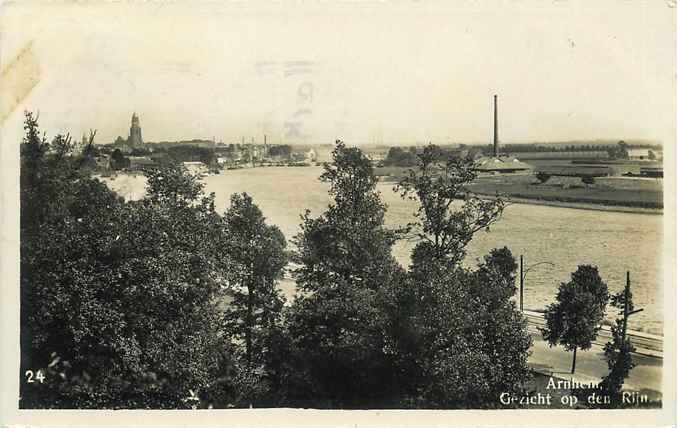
{"x": 596, "y": 141}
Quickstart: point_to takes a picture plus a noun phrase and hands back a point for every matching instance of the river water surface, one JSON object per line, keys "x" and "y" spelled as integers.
{"x": 566, "y": 237}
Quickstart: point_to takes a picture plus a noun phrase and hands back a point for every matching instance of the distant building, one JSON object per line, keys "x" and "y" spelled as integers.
{"x": 195, "y": 167}
{"x": 138, "y": 163}
{"x": 135, "y": 139}
{"x": 103, "y": 162}
{"x": 576, "y": 154}
{"x": 504, "y": 164}
{"x": 311, "y": 155}
{"x": 376, "y": 158}
{"x": 640, "y": 154}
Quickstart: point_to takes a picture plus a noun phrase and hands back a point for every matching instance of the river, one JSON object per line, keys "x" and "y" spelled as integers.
{"x": 615, "y": 242}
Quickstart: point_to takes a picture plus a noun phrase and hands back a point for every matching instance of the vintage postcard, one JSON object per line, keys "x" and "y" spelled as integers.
{"x": 338, "y": 213}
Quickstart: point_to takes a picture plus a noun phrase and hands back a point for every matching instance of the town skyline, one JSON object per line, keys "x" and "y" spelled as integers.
{"x": 268, "y": 139}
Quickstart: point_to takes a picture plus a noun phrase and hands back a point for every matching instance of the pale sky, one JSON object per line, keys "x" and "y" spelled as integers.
{"x": 360, "y": 71}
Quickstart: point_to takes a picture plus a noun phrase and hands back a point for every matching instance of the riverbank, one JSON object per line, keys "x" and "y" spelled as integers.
{"x": 580, "y": 205}
{"x": 565, "y": 237}
{"x": 615, "y": 194}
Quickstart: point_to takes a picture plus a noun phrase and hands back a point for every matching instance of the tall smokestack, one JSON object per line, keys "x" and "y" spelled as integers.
{"x": 495, "y": 125}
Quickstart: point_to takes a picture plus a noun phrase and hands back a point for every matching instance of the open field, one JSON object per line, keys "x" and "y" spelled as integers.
{"x": 391, "y": 173}
{"x": 614, "y": 191}
{"x": 617, "y": 167}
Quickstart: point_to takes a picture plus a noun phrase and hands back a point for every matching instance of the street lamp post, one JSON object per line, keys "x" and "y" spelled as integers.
{"x": 523, "y": 275}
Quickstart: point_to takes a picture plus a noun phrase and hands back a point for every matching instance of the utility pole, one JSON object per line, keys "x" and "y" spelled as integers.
{"x": 521, "y": 283}
{"x": 265, "y": 148}
{"x": 523, "y": 275}
{"x": 626, "y": 293}
{"x": 626, "y": 309}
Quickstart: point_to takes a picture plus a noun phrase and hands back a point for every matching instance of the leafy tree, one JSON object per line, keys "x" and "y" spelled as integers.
{"x": 503, "y": 328}
{"x": 471, "y": 344}
{"x": 257, "y": 255}
{"x": 542, "y": 176}
{"x": 398, "y": 156}
{"x": 618, "y": 352}
{"x": 465, "y": 339}
{"x": 436, "y": 183}
{"x": 619, "y": 151}
{"x": 336, "y": 324}
{"x": 588, "y": 179}
{"x": 575, "y": 318}
{"x": 623, "y": 150}
{"x": 118, "y": 161}
{"x": 349, "y": 240}
{"x": 172, "y": 185}
{"x": 191, "y": 153}
{"x": 283, "y": 150}
{"x": 140, "y": 151}
{"x": 118, "y": 299}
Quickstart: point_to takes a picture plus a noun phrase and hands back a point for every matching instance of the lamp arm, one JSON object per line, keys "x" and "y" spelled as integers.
{"x": 524, "y": 274}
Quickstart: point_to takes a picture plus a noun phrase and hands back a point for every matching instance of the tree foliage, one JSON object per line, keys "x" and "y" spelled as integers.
{"x": 165, "y": 303}
{"x": 253, "y": 317}
{"x": 619, "y": 151}
{"x": 542, "y": 176}
{"x": 345, "y": 261}
{"x": 399, "y": 156}
{"x": 190, "y": 153}
{"x": 283, "y": 150}
{"x": 118, "y": 298}
{"x": 618, "y": 352}
{"x": 438, "y": 180}
{"x": 575, "y": 318}
{"x": 349, "y": 241}
{"x": 118, "y": 160}
{"x": 464, "y": 336}
{"x": 467, "y": 339}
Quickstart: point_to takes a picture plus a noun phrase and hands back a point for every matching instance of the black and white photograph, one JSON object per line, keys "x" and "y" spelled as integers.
{"x": 363, "y": 210}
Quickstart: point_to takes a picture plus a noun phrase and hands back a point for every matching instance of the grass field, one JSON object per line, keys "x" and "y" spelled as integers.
{"x": 616, "y": 191}
{"x": 609, "y": 191}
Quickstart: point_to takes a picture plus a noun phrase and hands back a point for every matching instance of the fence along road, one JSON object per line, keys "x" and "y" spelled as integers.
{"x": 646, "y": 344}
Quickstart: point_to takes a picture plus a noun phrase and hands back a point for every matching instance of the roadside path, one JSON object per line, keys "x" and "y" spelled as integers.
{"x": 646, "y": 377}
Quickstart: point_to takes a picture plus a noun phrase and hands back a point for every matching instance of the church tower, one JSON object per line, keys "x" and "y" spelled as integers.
{"x": 135, "y": 139}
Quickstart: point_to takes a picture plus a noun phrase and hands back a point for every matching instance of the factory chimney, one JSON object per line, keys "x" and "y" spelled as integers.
{"x": 495, "y": 125}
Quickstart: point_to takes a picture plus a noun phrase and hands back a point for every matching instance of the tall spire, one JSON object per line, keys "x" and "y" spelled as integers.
{"x": 135, "y": 138}
{"x": 495, "y": 125}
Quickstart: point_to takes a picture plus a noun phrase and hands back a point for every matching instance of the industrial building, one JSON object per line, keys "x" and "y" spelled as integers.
{"x": 498, "y": 164}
